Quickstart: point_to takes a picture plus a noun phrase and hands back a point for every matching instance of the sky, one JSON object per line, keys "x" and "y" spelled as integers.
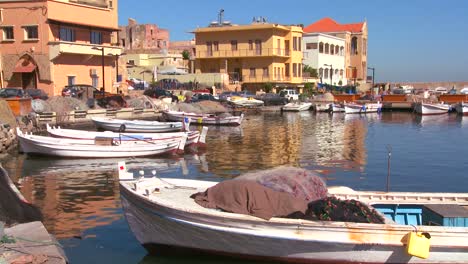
{"x": 409, "y": 40}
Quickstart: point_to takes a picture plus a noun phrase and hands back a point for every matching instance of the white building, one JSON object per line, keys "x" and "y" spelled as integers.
{"x": 325, "y": 53}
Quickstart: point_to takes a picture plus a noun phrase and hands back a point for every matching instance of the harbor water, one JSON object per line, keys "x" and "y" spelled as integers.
{"x": 79, "y": 198}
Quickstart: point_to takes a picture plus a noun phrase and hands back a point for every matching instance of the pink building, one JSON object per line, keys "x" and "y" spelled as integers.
{"x": 141, "y": 38}
{"x": 49, "y": 44}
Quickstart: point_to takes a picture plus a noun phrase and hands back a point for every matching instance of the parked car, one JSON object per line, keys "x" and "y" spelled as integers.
{"x": 12, "y": 93}
{"x": 204, "y": 97}
{"x": 272, "y": 99}
{"x": 35, "y": 93}
{"x": 289, "y": 94}
{"x": 78, "y": 90}
{"x": 159, "y": 93}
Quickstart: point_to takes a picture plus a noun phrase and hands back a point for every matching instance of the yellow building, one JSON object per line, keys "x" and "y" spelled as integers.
{"x": 252, "y": 55}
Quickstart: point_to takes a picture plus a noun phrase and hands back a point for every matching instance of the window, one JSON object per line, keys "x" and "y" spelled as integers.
{"x": 295, "y": 43}
{"x": 258, "y": 47}
{"x": 111, "y": 4}
{"x": 299, "y": 43}
{"x": 216, "y": 45}
{"x": 321, "y": 47}
{"x": 31, "y": 32}
{"x": 123, "y": 42}
{"x": 311, "y": 46}
{"x": 364, "y": 46}
{"x": 294, "y": 69}
{"x": 131, "y": 62}
{"x": 354, "y": 46}
{"x": 165, "y": 43}
{"x": 71, "y": 80}
{"x": 95, "y": 81}
{"x": 250, "y": 44}
{"x": 274, "y": 73}
{"x": 233, "y": 45}
{"x": 252, "y": 72}
{"x": 8, "y": 33}
{"x": 209, "y": 48}
{"x": 67, "y": 34}
{"x": 265, "y": 72}
{"x": 286, "y": 66}
{"x": 96, "y": 37}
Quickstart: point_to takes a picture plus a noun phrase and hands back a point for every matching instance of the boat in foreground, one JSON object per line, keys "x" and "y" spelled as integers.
{"x": 431, "y": 109}
{"x": 204, "y": 119}
{"x": 355, "y": 108}
{"x": 462, "y": 108}
{"x": 297, "y": 106}
{"x": 162, "y": 216}
{"x": 135, "y": 126}
{"x": 337, "y": 108}
{"x": 193, "y": 137}
{"x": 97, "y": 148}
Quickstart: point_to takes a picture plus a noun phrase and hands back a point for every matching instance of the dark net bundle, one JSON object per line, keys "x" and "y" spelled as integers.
{"x": 334, "y": 209}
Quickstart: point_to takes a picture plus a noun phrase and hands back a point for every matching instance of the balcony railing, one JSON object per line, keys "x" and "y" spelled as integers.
{"x": 243, "y": 53}
{"x": 59, "y": 47}
{"x": 264, "y": 78}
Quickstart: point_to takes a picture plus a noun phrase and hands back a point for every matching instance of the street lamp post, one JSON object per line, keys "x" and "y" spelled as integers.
{"x": 331, "y": 73}
{"x": 102, "y": 62}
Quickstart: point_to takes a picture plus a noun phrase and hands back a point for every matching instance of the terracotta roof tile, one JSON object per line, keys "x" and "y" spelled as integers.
{"x": 329, "y": 25}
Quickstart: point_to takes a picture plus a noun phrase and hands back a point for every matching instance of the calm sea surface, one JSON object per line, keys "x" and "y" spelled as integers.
{"x": 80, "y": 198}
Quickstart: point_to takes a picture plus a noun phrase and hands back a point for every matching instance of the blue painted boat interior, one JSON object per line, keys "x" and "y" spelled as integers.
{"x": 402, "y": 214}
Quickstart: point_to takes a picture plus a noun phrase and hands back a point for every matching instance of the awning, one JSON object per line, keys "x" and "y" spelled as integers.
{"x": 24, "y": 66}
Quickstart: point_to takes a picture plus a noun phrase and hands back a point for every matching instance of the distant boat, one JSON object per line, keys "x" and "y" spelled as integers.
{"x": 204, "y": 119}
{"x": 244, "y": 101}
{"x": 462, "y": 108}
{"x": 322, "y": 107}
{"x": 297, "y": 106}
{"x": 162, "y": 215}
{"x": 431, "y": 108}
{"x": 122, "y": 125}
{"x": 337, "y": 108}
{"x": 97, "y": 148}
{"x": 192, "y": 136}
{"x": 355, "y": 108}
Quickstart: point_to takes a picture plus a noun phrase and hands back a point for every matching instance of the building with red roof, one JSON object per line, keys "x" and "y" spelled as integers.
{"x": 355, "y": 50}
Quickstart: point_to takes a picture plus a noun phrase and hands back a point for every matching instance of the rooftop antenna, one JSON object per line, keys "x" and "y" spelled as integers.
{"x": 221, "y": 17}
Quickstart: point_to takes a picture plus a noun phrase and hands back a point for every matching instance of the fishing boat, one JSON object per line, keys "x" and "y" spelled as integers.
{"x": 95, "y": 148}
{"x": 163, "y": 217}
{"x": 244, "y": 101}
{"x": 204, "y": 119}
{"x": 122, "y": 125}
{"x": 297, "y": 106}
{"x": 431, "y": 108}
{"x": 322, "y": 107}
{"x": 193, "y": 137}
{"x": 337, "y": 108}
{"x": 462, "y": 108}
{"x": 355, "y": 108}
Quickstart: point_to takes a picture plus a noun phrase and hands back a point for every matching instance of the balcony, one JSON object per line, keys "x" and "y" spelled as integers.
{"x": 264, "y": 79}
{"x": 270, "y": 52}
{"x": 58, "y": 47}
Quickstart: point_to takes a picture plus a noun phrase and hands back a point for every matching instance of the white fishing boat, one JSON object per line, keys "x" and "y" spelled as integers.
{"x": 355, "y": 108}
{"x": 121, "y": 125}
{"x": 322, "y": 106}
{"x": 297, "y": 106}
{"x": 193, "y": 137}
{"x": 204, "y": 119}
{"x": 462, "y": 108}
{"x": 162, "y": 216}
{"x": 337, "y": 108}
{"x": 431, "y": 108}
{"x": 96, "y": 148}
{"x": 244, "y": 101}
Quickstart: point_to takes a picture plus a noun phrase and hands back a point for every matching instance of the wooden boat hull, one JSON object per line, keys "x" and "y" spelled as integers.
{"x": 204, "y": 119}
{"x": 431, "y": 109}
{"x": 291, "y": 240}
{"x": 136, "y": 126}
{"x": 296, "y": 107}
{"x": 362, "y": 108}
{"x": 462, "y": 108}
{"x": 192, "y": 136}
{"x": 40, "y": 145}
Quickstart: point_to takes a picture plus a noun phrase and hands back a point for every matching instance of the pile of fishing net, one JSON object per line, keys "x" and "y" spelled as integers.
{"x": 202, "y": 107}
{"x": 327, "y": 97}
{"x": 309, "y": 186}
{"x": 142, "y": 101}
